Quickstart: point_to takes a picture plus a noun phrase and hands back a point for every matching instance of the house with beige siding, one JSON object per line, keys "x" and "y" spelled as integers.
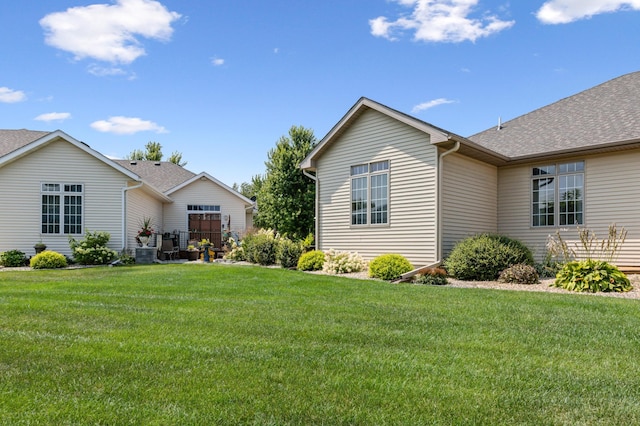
{"x": 387, "y": 182}
{"x": 54, "y": 186}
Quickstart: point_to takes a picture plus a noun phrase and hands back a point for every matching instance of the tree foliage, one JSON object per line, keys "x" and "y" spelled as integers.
{"x": 153, "y": 152}
{"x": 286, "y": 197}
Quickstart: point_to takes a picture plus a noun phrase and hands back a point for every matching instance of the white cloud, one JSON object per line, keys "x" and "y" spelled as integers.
{"x": 439, "y": 21}
{"x": 217, "y": 62}
{"x": 126, "y": 126}
{"x": 10, "y": 96}
{"x": 109, "y": 32}
{"x": 53, "y": 116}
{"x": 565, "y": 11}
{"x": 431, "y": 104}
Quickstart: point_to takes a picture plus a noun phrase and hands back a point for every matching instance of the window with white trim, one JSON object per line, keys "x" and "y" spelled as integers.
{"x": 560, "y": 185}
{"x": 370, "y": 193}
{"x": 61, "y": 208}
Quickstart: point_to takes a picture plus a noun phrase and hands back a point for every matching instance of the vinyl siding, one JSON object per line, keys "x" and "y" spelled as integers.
{"x": 207, "y": 193}
{"x": 412, "y": 178}
{"x": 612, "y": 195}
{"x": 469, "y": 199}
{"x": 141, "y": 205}
{"x": 58, "y": 162}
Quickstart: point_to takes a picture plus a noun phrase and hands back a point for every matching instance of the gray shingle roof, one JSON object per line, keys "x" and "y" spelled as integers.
{"x": 605, "y": 114}
{"x": 10, "y": 140}
{"x": 162, "y": 175}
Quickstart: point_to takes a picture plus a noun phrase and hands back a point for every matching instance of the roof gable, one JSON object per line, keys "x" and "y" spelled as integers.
{"x": 207, "y": 176}
{"x": 20, "y": 143}
{"x": 604, "y": 115}
{"x": 437, "y": 135}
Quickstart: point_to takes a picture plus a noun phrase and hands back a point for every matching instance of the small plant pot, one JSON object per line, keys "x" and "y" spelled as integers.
{"x": 39, "y": 248}
{"x": 193, "y": 255}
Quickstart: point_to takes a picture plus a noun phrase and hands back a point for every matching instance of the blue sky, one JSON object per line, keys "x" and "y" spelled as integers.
{"x": 222, "y": 81}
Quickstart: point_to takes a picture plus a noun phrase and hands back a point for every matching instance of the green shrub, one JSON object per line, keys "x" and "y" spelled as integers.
{"x": 433, "y": 276}
{"x": 483, "y": 257}
{"x": 13, "y": 259}
{"x": 311, "y": 261}
{"x": 389, "y": 266}
{"x": 592, "y": 276}
{"x": 289, "y": 252}
{"x": 126, "y": 258}
{"x": 93, "y": 249}
{"x": 519, "y": 274}
{"x": 261, "y": 247}
{"x": 48, "y": 260}
{"x": 342, "y": 262}
{"x": 236, "y": 253}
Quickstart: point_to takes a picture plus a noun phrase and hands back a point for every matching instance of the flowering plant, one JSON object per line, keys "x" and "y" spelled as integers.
{"x": 204, "y": 243}
{"x": 146, "y": 229}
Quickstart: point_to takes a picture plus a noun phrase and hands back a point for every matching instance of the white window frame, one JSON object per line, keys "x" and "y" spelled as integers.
{"x": 564, "y": 178}
{"x": 65, "y": 218}
{"x": 362, "y": 179}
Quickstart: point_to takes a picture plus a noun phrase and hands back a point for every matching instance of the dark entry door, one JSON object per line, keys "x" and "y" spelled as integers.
{"x": 206, "y": 225}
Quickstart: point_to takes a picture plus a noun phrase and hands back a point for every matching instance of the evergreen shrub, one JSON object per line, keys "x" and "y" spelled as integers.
{"x": 48, "y": 260}
{"x": 389, "y": 266}
{"x": 311, "y": 261}
{"x": 482, "y": 257}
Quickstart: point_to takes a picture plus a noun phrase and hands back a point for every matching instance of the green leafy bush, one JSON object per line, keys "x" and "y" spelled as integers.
{"x": 48, "y": 260}
{"x": 288, "y": 253}
{"x": 342, "y": 262}
{"x": 482, "y": 257}
{"x": 261, "y": 247}
{"x": 592, "y": 276}
{"x": 311, "y": 261}
{"x": 389, "y": 266}
{"x": 93, "y": 249}
{"x": 236, "y": 252}
{"x": 519, "y": 274}
{"x": 13, "y": 259}
{"x": 433, "y": 276}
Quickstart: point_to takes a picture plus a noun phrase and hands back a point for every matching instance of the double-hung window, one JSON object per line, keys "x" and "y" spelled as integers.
{"x": 370, "y": 193}
{"x": 61, "y": 208}
{"x": 558, "y": 195}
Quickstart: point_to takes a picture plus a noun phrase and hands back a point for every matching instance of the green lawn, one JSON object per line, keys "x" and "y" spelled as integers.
{"x": 215, "y": 344}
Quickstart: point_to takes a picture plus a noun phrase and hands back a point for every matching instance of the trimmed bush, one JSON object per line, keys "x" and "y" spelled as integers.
{"x": 519, "y": 274}
{"x": 13, "y": 259}
{"x": 592, "y": 276}
{"x": 389, "y": 266}
{"x": 311, "y": 261}
{"x": 342, "y": 262}
{"x": 289, "y": 253}
{"x": 92, "y": 250}
{"x": 48, "y": 260}
{"x": 482, "y": 257}
{"x": 434, "y": 276}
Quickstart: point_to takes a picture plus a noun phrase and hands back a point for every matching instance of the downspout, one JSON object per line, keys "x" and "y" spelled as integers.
{"x": 439, "y": 201}
{"x": 317, "y": 198}
{"x": 124, "y": 212}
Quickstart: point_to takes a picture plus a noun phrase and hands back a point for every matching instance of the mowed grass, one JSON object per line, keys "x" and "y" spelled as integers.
{"x": 217, "y": 344}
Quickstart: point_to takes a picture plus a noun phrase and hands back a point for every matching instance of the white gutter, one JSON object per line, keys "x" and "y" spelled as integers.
{"x": 317, "y": 199}
{"x": 439, "y": 201}
{"x": 124, "y": 212}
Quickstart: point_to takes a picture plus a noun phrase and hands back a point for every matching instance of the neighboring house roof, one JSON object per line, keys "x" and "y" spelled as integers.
{"x": 437, "y": 134}
{"x": 163, "y": 175}
{"x": 10, "y": 140}
{"x": 605, "y": 116}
